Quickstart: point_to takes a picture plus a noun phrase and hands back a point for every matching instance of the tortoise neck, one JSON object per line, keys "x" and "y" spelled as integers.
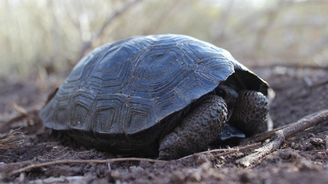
{"x": 229, "y": 94}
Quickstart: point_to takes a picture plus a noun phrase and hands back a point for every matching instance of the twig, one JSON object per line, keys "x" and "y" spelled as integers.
{"x": 262, "y": 136}
{"x": 56, "y": 162}
{"x": 223, "y": 152}
{"x": 88, "y": 44}
{"x": 19, "y": 109}
{"x": 282, "y": 134}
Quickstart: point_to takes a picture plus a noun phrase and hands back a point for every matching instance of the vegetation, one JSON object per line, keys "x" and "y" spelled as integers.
{"x": 38, "y": 34}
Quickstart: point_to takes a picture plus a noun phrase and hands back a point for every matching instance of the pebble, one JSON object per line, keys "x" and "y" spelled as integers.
{"x": 317, "y": 141}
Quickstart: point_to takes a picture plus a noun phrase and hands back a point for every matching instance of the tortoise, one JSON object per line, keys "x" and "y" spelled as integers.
{"x": 166, "y": 95}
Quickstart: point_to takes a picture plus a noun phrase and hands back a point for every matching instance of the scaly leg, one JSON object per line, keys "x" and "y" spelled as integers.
{"x": 197, "y": 130}
{"x": 251, "y": 113}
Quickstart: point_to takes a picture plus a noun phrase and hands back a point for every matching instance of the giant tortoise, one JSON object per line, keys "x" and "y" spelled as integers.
{"x": 167, "y": 95}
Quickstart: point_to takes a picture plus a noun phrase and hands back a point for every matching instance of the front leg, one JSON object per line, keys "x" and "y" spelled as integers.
{"x": 251, "y": 113}
{"x": 197, "y": 130}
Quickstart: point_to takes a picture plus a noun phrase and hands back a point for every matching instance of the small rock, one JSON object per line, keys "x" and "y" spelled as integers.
{"x": 136, "y": 169}
{"x": 317, "y": 141}
{"x": 195, "y": 176}
{"x": 246, "y": 177}
{"x": 115, "y": 174}
{"x": 217, "y": 175}
{"x": 306, "y": 165}
{"x": 201, "y": 159}
{"x": 177, "y": 177}
{"x": 21, "y": 178}
{"x": 205, "y": 166}
{"x": 289, "y": 155}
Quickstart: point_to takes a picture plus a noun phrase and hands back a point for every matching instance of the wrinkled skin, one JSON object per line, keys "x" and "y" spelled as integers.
{"x": 246, "y": 110}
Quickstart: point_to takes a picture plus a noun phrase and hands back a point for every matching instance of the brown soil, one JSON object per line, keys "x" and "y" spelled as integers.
{"x": 302, "y": 159}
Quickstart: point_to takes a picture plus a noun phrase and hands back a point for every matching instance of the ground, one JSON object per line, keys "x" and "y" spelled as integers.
{"x": 302, "y": 159}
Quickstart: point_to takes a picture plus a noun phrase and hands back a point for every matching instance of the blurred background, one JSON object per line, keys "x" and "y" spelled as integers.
{"x": 50, "y": 36}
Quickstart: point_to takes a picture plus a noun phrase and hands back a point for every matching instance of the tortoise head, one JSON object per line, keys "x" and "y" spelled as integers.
{"x": 229, "y": 93}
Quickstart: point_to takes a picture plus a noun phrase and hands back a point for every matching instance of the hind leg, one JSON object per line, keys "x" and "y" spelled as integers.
{"x": 251, "y": 113}
{"x": 197, "y": 130}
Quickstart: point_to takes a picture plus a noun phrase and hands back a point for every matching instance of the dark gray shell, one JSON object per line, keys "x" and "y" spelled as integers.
{"x": 130, "y": 86}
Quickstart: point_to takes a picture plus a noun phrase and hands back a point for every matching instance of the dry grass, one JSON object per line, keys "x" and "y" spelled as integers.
{"x": 40, "y": 34}
{"x": 10, "y": 140}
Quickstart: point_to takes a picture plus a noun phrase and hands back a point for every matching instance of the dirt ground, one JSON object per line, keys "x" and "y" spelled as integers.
{"x": 302, "y": 159}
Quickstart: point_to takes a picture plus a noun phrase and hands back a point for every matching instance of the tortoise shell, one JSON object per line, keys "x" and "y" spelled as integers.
{"x": 128, "y": 93}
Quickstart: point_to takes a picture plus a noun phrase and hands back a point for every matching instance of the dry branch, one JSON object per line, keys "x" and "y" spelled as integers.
{"x": 282, "y": 134}
{"x": 56, "y": 162}
{"x": 261, "y": 137}
{"x": 223, "y": 152}
{"x": 109, "y": 20}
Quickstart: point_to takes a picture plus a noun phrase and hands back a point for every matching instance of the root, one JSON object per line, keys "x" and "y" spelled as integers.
{"x": 280, "y": 136}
